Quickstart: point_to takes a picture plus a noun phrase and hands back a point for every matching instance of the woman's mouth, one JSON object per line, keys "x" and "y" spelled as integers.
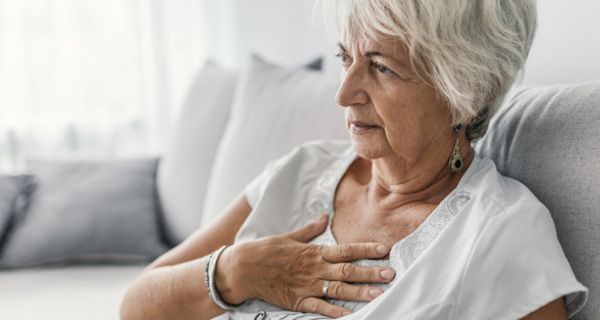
{"x": 357, "y": 127}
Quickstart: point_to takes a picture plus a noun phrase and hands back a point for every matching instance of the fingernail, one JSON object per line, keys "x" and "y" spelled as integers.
{"x": 346, "y": 313}
{"x": 381, "y": 249}
{"x": 387, "y": 274}
{"x": 375, "y": 292}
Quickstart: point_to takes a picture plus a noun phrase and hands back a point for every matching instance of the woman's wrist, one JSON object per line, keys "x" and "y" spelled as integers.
{"x": 225, "y": 281}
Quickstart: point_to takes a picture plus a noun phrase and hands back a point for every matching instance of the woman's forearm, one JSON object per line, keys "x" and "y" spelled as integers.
{"x": 282, "y": 270}
{"x": 170, "y": 292}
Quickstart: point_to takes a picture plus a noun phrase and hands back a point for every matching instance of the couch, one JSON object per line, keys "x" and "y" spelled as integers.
{"x": 233, "y": 123}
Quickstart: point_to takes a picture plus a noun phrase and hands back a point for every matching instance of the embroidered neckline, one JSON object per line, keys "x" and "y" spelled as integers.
{"x": 408, "y": 249}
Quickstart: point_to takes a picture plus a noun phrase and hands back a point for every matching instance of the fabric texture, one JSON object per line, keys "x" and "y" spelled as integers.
{"x": 547, "y": 138}
{"x": 274, "y": 109}
{"x": 185, "y": 168}
{"x": 87, "y": 212}
{"x": 11, "y": 188}
{"x": 488, "y": 251}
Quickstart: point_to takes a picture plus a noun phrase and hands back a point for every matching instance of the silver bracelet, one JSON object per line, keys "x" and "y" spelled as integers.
{"x": 209, "y": 278}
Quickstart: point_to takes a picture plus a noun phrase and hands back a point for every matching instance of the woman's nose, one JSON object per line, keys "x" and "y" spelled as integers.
{"x": 351, "y": 90}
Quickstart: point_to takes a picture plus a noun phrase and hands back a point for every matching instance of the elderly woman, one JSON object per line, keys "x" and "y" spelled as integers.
{"x": 415, "y": 225}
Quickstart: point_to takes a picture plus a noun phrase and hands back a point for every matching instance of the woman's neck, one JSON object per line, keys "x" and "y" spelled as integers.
{"x": 392, "y": 186}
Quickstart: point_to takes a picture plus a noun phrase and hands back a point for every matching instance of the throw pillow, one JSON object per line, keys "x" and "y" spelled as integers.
{"x": 275, "y": 109}
{"x": 10, "y": 189}
{"x": 185, "y": 168}
{"x": 87, "y": 212}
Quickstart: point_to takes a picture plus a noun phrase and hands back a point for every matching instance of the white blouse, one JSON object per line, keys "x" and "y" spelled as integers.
{"x": 489, "y": 250}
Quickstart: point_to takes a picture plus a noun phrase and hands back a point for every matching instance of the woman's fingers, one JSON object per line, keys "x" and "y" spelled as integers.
{"x": 310, "y": 231}
{"x": 320, "y": 306}
{"x": 344, "y": 291}
{"x": 354, "y": 251}
{"x": 289, "y": 270}
{"x": 349, "y": 272}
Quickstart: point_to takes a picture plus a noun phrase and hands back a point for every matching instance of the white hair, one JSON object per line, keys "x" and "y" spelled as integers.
{"x": 471, "y": 51}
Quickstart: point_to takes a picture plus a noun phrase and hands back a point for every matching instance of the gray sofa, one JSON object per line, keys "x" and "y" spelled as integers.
{"x": 549, "y": 139}
{"x": 546, "y": 137}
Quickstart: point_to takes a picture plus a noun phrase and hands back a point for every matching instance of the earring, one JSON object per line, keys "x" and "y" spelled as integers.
{"x": 456, "y": 161}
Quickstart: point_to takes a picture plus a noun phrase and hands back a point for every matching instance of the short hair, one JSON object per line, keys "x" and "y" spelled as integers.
{"x": 471, "y": 51}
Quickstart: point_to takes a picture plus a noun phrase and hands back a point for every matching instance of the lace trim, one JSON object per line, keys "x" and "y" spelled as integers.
{"x": 320, "y": 198}
{"x": 407, "y": 250}
{"x": 404, "y": 252}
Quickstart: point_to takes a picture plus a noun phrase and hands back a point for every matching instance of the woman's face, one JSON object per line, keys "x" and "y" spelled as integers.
{"x": 390, "y": 111}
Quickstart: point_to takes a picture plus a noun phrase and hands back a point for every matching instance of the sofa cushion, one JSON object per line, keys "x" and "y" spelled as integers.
{"x": 71, "y": 293}
{"x": 549, "y": 139}
{"x": 87, "y": 212}
{"x": 10, "y": 190}
{"x": 185, "y": 167}
{"x": 275, "y": 109}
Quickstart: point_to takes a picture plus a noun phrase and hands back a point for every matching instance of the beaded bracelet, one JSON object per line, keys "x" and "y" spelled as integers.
{"x": 209, "y": 279}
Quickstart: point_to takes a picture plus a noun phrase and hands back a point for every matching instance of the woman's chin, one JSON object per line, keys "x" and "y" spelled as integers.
{"x": 366, "y": 148}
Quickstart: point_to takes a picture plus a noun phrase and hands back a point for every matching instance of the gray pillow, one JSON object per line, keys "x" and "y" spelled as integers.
{"x": 10, "y": 189}
{"x": 88, "y": 212}
{"x": 185, "y": 168}
{"x": 549, "y": 139}
{"x": 274, "y": 110}
{"x": 316, "y": 64}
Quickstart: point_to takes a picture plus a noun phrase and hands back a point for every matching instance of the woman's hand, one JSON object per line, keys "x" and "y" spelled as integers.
{"x": 285, "y": 271}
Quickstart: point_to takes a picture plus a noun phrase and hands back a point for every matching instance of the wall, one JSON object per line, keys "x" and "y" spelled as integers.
{"x": 282, "y": 31}
{"x": 567, "y": 45}
{"x": 566, "y": 49}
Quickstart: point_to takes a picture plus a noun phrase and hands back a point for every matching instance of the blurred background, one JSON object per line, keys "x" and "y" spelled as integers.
{"x": 106, "y": 79}
{"x": 109, "y": 79}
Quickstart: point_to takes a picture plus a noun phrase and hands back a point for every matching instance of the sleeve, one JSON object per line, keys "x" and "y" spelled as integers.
{"x": 516, "y": 267}
{"x": 255, "y": 189}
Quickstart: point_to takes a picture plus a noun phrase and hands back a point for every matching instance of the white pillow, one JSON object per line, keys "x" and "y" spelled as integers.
{"x": 274, "y": 110}
{"x": 185, "y": 168}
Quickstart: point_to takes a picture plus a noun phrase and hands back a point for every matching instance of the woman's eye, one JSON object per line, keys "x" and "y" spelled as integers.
{"x": 381, "y": 68}
{"x": 343, "y": 57}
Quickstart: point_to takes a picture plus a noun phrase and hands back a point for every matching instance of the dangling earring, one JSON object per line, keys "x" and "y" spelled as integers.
{"x": 456, "y": 161}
